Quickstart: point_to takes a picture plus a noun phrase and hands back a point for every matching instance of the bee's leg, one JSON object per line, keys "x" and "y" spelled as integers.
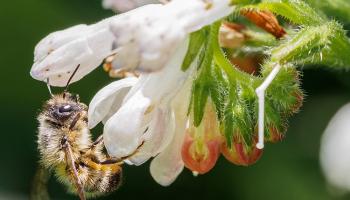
{"x": 74, "y": 121}
{"x": 121, "y": 160}
{"x": 71, "y": 163}
{"x": 98, "y": 141}
{"x": 260, "y": 91}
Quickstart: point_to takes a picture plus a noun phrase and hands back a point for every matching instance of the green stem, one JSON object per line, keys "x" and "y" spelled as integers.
{"x": 220, "y": 59}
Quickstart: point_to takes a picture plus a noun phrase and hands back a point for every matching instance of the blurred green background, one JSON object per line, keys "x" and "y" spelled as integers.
{"x": 289, "y": 170}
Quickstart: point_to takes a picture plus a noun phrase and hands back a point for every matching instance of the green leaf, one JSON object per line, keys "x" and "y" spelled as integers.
{"x": 219, "y": 91}
{"x": 197, "y": 39}
{"x": 200, "y": 96}
{"x": 202, "y": 84}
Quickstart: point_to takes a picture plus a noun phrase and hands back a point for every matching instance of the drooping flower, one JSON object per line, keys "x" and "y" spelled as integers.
{"x": 145, "y": 39}
{"x": 144, "y": 117}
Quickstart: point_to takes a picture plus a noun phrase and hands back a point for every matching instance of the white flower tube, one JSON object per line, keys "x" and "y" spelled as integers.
{"x": 335, "y": 148}
{"x": 145, "y": 38}
{"x": 58, "y": 54}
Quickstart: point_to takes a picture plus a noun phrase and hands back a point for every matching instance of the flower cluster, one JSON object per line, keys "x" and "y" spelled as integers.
{"x": 208, "y": 83}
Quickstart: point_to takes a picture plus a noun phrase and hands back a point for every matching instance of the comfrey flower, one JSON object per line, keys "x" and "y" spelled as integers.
{"x": 147, "y": 114}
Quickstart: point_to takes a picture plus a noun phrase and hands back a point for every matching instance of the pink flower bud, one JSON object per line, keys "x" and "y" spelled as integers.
{"x": 200, "y": 156}
{"x": 239, "y": 154}
{"x": 201, "y": 147}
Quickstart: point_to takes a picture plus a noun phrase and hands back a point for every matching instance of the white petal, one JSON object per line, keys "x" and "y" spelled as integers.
{"x": 125, "y": 5}
{"x": 123, "y": 132}
{"x": 335, "y": 148}
{"x": 168, "y": 165}
{"x": 164, "y": 85}
{"x": 159, "y": 135}
{"x": 155, "y": 31}
{"x": 57, "y": 55}
{"x": 108, "y": 100}
{"x": 57, "y": 39}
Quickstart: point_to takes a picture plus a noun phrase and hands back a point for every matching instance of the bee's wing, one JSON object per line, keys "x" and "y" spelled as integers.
{"x": 39, "y": 186}
{"x": 71, "y": 163}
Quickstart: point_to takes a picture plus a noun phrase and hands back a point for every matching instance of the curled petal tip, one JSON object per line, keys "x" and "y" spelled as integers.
{"x": 122, "y": 136}
{"x": 108, "y": 100}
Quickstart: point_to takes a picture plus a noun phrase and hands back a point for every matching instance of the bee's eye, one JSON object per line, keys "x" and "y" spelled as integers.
{"x": 65, "y": 109}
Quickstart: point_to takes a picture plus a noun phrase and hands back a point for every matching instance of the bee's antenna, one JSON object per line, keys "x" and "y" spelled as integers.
{"x": 69, "y": 80}
{"x": 48, "y": 86}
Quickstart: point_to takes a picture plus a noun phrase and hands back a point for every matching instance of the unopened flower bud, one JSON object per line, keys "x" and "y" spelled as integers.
{"x": 240, "y": 154}
{"x": 200, "y": 156}
{"x": 201, "y": 147}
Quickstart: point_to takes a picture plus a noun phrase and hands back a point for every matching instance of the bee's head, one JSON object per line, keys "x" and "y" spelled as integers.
{"x": 64, "y": 107}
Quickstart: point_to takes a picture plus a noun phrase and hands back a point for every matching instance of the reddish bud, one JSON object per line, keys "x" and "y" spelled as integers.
{"x": 240, "y": 155}
{"x": 201, "y": 147}
{"x": 200, "y": 158}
